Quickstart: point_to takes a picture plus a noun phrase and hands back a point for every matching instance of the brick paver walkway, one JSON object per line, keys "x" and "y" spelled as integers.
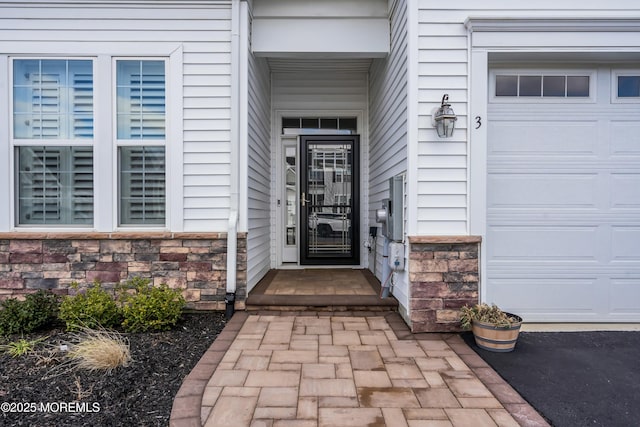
{"x": 333, "y": 370}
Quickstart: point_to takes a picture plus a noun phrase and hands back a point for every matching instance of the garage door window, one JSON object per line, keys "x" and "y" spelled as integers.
{"x": 628, "y": 86}
{"x": 546, "y": 86}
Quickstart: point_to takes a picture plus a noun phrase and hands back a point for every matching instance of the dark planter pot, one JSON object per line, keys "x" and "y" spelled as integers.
{"x": 495, "y": 338}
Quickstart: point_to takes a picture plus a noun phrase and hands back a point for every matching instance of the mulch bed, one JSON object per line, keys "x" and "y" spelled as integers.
{"x": 138, "y": 395}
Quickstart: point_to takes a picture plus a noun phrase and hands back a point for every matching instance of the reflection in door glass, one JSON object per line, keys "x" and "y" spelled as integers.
{"x": 329, "y": 199}
{"x": 290, "y": 177}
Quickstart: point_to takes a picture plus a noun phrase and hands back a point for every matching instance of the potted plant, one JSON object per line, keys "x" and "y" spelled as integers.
{"x": 493, "y": 329}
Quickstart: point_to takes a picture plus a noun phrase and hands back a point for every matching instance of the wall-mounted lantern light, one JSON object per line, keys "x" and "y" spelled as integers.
{"x": 444, "y": 119}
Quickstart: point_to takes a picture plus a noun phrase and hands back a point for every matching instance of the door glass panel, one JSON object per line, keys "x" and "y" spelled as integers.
{"x": 290, "y": 183}
{"x": 329, "y": 200}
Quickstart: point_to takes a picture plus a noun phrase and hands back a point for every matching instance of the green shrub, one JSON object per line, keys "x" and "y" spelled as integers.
{"x": 146, "y": 307}
{"x": 91, "y": 309}
{"x": 21, "y": 317}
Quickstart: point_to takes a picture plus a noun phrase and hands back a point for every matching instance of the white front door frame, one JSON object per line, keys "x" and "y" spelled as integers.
{"x": 277, "y": 176}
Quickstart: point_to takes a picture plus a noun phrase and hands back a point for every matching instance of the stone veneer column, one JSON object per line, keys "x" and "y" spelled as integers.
{"x": 443, "y": 276}
{"x": 193, "y": 262}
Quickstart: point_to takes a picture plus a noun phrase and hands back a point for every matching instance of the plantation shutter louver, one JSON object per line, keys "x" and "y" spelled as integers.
{"x": 82, "y": 105}
{"x": 82, "y": 185}
{"x": 46, "y": 106}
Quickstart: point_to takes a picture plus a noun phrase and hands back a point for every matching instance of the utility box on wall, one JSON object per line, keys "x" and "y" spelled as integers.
{"x": 395, "y": 209}
{"x": 391, "y": 215}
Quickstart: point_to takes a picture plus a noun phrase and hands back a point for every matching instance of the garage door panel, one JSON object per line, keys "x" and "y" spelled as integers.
{"x": 625, "y": 243}
{"x": 625, "y": 294}
{"x": 624, "y": 138}
{"x": 551, "y": 190}
{"x": 557, "y": 138}
{"x": 543, "y": 243}
{"x": 625, "y": 190}
{"x": 544, "y": 296}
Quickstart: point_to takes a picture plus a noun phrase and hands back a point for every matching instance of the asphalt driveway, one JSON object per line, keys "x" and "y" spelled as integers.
{"x": 574, "y": 378}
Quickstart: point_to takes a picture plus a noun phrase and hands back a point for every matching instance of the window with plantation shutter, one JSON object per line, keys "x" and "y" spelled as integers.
{"x": 141, "y": 138}
{"x": 55, "y": 185}
{"x": 54, "y": 138}
{"x": 53, "y": 102}
{"x": 142, "y": 193}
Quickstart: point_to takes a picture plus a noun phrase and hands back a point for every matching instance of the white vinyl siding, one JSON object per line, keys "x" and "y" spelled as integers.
{"x": 388, "y": 125}
{"x": 259, "y": 191}
{"x": 196, "y": 37}
{"x": 442, "y": 164}
{"x": 326, "y": 89}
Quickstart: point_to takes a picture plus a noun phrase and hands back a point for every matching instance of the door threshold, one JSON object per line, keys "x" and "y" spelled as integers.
{"x": 293, "y": 266}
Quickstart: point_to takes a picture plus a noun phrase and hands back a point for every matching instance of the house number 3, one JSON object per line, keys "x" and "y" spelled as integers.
{"x": 478, "y": 122}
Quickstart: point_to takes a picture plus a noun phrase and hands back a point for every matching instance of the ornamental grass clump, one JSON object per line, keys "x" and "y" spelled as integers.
{"x": 99, "y": 350}
{"x": 488, "y": 314}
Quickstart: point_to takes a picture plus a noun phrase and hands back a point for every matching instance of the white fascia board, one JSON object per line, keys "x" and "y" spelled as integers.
{"x": 554, "y": 33}
{"x": 364, "y": 36}
{"x": 561, "y": 24}
{"x": 324, "y": 8}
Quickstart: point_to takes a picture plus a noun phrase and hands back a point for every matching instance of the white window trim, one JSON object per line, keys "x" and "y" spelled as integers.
{"x": 6, "y": 161}
{"x": 105, "y": 179}
{"x": 615, "y": 99}
{"x": 591, "y": 73}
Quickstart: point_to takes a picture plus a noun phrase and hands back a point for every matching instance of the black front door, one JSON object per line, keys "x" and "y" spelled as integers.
{"x": 329, "y": 179}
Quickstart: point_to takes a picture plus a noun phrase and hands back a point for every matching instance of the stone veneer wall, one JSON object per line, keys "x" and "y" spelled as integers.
{"x": 443, "y": 275}
{"x": 193, "y": 262}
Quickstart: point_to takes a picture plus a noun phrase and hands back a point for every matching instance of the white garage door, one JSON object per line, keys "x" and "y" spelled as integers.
{"x": 563, "y": 194}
